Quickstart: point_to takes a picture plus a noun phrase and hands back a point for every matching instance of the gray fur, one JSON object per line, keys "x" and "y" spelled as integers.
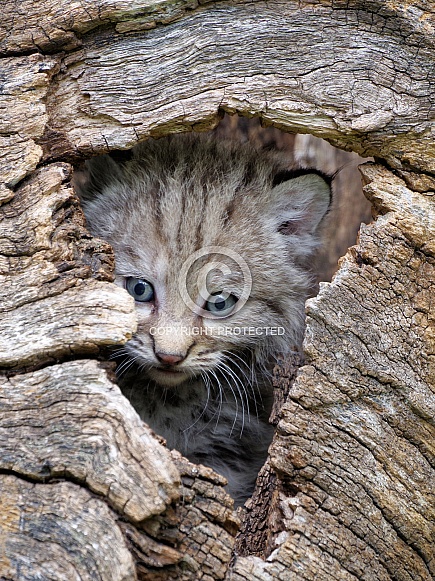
{"x": 175, "y": 196}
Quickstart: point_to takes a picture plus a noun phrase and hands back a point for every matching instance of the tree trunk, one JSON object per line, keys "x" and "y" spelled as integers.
{"x": 87, "y": 490}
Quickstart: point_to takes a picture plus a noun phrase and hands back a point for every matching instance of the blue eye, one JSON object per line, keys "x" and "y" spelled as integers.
{"x": 141, "y": 290}
{"x": 221, "y": 304}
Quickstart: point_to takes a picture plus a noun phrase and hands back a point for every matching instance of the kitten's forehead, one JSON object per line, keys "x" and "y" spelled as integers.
{"x": 191, "y": 220}
{"x": 138, "y": 260}
{"x": 179, "y": 196}
{"x": 195, "y": 239}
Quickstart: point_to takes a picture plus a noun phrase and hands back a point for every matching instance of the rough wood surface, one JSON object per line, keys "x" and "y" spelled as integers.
{"x": 59, "y": 24}
{"x": 70, "y": 421}
{"x": 47, "y": 309}
{"x": 72, "y": 536}
{"x": 355, "y": 81}
{"x": 83, "y": 478}
{"x": 23, "y": 118}
{"x": 87, "y": 492}
{"x": 354, "y": 451}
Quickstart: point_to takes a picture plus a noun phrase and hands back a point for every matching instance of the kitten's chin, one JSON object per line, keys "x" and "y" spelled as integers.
{"x": 170, "y": 378}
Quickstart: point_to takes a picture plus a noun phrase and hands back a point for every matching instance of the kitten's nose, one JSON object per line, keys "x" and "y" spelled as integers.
{"x": 169, "y": 358}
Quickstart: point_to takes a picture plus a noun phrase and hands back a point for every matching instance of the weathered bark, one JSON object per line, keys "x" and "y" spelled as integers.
{"x": 87, "y": 491}
{"x": 86, "y": 480}
{"x": 354, "y": 451}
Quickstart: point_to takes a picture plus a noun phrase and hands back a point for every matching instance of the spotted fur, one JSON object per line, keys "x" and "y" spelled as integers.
{"x": 168, "y": 199}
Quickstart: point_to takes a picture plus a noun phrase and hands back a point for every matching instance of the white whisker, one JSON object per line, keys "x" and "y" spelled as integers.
{"x": 118, "y": 353}
{"x": 212, "y": 371}
{"x": 204, "y": 409}
{"x": 251, "y": 381}
{"x": 229, "y": 373}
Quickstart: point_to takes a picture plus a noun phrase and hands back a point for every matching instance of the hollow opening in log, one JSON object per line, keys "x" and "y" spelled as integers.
{"x": 189, "y": 375}
{"x": 350, "y": 208}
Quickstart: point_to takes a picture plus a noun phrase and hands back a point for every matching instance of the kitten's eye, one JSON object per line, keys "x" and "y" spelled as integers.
{"x": 141, "y": 290}
{"x": 221, "y": 304}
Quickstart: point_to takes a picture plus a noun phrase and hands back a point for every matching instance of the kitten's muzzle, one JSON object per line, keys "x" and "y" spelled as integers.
{"x": 169, "y": 358}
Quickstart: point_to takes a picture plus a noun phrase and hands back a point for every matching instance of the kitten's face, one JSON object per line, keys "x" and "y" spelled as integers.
{"x": 211, "y": 250}
{"x": 202, "y": 320}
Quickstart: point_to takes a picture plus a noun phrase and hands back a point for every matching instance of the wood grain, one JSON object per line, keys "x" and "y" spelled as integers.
{"x": 70, "y": 421}
{"x": 87, "y": 491}
{"x": 355, "y": 83}
{"x": 46, "y": 255}
{"x": 73, "y": 535}
{"x": 354, "y": 451}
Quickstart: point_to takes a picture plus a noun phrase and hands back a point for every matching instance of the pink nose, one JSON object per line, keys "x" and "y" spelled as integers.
{"x": 169, "y": 358}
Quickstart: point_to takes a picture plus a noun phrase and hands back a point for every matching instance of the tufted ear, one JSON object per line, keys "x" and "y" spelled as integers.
{"x": 300, "y": 200}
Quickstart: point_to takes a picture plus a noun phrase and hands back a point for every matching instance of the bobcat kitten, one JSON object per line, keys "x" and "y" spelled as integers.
{"x": 213, "y": 240}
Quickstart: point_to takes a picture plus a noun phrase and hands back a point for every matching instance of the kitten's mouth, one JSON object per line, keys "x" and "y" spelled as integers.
{"x": 168, "y": 376}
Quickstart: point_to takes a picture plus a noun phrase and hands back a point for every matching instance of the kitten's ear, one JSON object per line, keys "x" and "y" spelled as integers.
{"x": 300, "y": 201}
{"x": 95, "y": 175}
